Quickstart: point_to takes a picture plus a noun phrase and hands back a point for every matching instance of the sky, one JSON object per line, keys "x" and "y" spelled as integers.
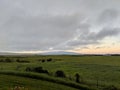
{"x": 82, "y": 26}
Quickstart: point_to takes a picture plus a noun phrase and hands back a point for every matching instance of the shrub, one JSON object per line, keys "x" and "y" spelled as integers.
{"x": 49, "y": 60}
{"x": 22, "y": 61}
{"x": 36, "y": 69}
{"x": 43, "y": 60}
{"x": 77, "y": 77}
{"x": 60, "y": 73}
{"x": 8, "y": 60}
{"x": 17, "y": 60}
{"x": 1, "y": 60}
{"x": 40, "y": 70}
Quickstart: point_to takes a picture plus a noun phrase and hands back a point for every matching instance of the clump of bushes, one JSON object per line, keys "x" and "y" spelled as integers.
{"x": 49, "y": 60}
{"x": 77, "y": 77}
{"x": 7, "y": 60}
{"x": 22, "y": 61}
{"x": 45, "y": 60}
{"x": 36, "y": 69}
{"x": 60, "y": 73}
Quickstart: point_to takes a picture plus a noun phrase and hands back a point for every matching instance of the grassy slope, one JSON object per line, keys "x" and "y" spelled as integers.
{"x": 105, "y": 69}
{"x": 8, "y": 81}
{"x": 48, "y": 78}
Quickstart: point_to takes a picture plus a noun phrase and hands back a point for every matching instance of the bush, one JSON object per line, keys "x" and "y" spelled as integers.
{"x": 77, "y": 78}
{"x": 17, "y": 60}
{"x": 36, "y": 69}
{"x": 1, "y": 60}
{"x": 22, "y": 61}
{"x": 60, "y": 73}
{"x": 43, "y": 60}
{"x": 8, "y": 60}
{"x": 49, "y": 60}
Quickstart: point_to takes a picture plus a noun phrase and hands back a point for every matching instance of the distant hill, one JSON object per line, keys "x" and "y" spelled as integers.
{"x": 12, "y": 53}
{"x": 57, "y": 53}
{"x": 7, "y": 53}
{"x": 44, "y": 53}
{"x": 60, "y": 53}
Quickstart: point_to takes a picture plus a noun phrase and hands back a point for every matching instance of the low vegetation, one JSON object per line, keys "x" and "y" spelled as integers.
{"x": 36, "y": 69}
{"x": 78, "y": 72}
{"x": 47, "y": 78}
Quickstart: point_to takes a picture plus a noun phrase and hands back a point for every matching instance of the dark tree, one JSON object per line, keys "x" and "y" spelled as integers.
{"x": 49, "y": 60}
{"x": 77, "y": 78}
{"x": 18, "y": 60}
{"x": 43, "y": 60}
{"x": 38, "y": 69}
{"x": 8, "y": 60}
{"x": 60, "y": 73}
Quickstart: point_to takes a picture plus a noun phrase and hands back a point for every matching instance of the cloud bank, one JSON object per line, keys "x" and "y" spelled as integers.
{"x": 27, "y": 25}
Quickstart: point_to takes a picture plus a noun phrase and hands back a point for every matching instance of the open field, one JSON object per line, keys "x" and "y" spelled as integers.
{"x": 95, "y": 71}
{"x": 8, "y": 82}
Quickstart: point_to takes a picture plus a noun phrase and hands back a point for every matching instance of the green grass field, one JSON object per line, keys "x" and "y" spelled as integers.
{"x": 95, "y": 71}
{"x": 7, "y": 82}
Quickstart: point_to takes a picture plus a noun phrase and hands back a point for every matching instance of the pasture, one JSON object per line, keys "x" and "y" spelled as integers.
{"x": 94, "y": 71}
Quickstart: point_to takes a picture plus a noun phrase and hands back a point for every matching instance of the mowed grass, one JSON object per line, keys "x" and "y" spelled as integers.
{"x": 104, "y": 70}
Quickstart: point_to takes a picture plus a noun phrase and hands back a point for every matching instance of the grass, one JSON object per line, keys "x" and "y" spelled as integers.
{"x": 102, "y": 69}
{"x": 29, "y": 83}
{"x": 47, "y": 78}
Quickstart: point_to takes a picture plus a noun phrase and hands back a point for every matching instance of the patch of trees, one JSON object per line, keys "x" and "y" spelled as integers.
{"x": 22, "y": 61}
{"x": 77, "y": 78}
{"x": 7, "y": 60}
{"x": 36, "y": 69}
{"x": 46, "y": 60}
{"x": 60, "y": 73}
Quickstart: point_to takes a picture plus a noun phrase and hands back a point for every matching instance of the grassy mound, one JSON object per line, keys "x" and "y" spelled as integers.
{"x": 47, "y": 78}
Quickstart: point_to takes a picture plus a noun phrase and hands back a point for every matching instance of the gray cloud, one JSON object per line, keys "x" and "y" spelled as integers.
{"x": 27, "y": 25}
{"x": 91, "y": 38}
{"x": 108, "y": 16}
{"x": 39, "y": 32}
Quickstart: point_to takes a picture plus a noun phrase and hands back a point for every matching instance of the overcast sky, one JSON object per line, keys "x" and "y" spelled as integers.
{"x": 84, "y": 26}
